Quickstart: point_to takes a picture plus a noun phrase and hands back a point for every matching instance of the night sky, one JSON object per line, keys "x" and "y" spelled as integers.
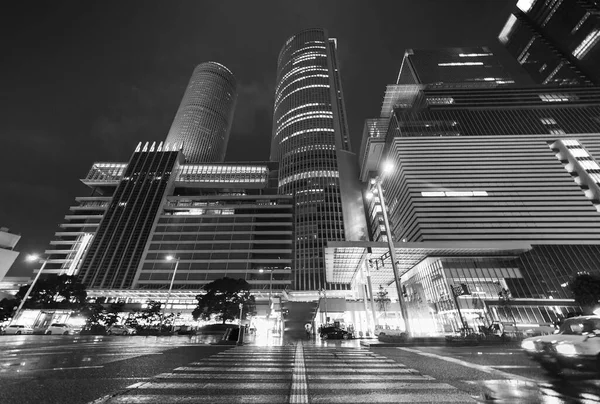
{"x": 85, "y": 81}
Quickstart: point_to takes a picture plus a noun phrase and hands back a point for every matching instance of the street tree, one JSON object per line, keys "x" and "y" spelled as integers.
{"x": 7, "y": 308}
{"x": 222, "y": 298}
{"x": 505, "y": 300}
{"x": 586, "y": 291}
{"x": 55, "y": 292}
{"x": 100, "y": 316}
{"x": 148, "y": 317}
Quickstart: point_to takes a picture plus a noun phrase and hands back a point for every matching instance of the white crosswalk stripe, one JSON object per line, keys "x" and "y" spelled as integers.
{"x": 292, "y": 374}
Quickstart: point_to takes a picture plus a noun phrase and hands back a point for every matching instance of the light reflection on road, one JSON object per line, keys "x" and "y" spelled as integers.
{"x": 523, "y": 392}
{"x": 53, "y": 353}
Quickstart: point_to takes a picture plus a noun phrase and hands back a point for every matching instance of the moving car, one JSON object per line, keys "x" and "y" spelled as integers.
{"x": 576, "y": 345}
{"x": 17, "y": 330}
{"x": 335, "y": 333}
{"x": 60, "y": 329}
{"x": 119, "y": 329}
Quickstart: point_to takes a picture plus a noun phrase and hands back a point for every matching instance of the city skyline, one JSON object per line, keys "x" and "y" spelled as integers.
{"x": 134, "y": 93}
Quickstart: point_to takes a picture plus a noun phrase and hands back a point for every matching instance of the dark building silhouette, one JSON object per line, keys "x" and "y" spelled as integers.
{"x": 475, "y": 66}
{"x": 557, "y": 42}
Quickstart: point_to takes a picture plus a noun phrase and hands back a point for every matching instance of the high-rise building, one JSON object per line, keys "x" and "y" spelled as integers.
{"x": 476, "y": 168}
{"x": 312, "y": 144}
{"x": 472, "y": 66}
{"x": 219, "y": 219}
{"x": 556, "y": 42}
{"x": 8, "y": 255}
{"x": 203, "y": 120}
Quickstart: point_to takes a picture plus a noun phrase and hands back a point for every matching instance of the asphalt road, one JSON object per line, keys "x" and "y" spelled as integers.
{"x": 498, "y": 374}
{"x": 80, "y": 369}
{"x": 272, "y": 369}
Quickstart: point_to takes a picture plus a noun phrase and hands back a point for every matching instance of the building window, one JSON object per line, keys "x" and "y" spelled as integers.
{"x": 587, "y": 44}
{"x": 440, "y": 100}
{"x": 558, "y": 97}
{"x": 548, "y": 121}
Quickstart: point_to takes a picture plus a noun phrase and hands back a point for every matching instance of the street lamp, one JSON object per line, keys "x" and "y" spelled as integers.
{"x": 30, "y": 257}
{"x": 324, "y": 292}
{"x": 240, "y": 340}
{"x": 169, "y": 258}
{"x": 387, "y": 167}
{"x": 270, "y": 286}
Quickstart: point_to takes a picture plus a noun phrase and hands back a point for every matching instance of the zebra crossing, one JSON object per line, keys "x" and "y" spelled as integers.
{"x": 299, "y": 374}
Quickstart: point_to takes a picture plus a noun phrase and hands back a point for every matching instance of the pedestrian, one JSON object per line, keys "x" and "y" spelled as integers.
{"x": 308, "y": 329}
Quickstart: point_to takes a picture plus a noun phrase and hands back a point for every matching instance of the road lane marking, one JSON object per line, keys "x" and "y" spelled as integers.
{"x": 194, "y": 399}
{"x": 237, "y": 369}
{"x": 234, "y": 376}
{"x": 389, "y": 386}
{"x": 299, "y": 390}
{"x": 76, "y": 367}
{"x": 378, "y": 377}
{"x": 482, "y": 368}
{"x": 513, "y": 367}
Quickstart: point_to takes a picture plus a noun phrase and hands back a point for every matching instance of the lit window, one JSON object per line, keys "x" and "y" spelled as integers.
{"x": 548, "y": 121}
{"x": 440, "y": 100}
{"x": 507, "y": 30}
{"x": 587, "y": 44}
{"x": 473, "y": 55}
{"x": 525, "y": 5}
{"x": 433, "y": 194}
{"x": 580, "y": 23}
{"x": 461, "y": 64}
{"x": 579, "y": 153}
{"x": 558, "y": 97}
{"x": 454, "y": 193}
{"x": 557, "y": 132}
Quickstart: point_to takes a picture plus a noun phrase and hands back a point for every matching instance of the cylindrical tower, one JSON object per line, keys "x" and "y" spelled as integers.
{"x": 204, "y": 117}
{"x": 308, "y": 128}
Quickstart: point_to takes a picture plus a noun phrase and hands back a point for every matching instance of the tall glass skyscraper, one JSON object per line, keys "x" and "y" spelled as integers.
{"x": 556, "y": 42}
{"x": 311, "y": 142}
{"x": 203, "y": 120}
{"x": 472, "y": 66}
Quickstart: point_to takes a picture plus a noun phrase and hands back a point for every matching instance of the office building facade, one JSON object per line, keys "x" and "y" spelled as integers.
{"x": 219, "y": 219}
{"x": 464, "y": 67}
{"x": 556, "y": 42}
{"x": 203, "y": 121}
{"x": 495, "y": 166}
{"x": 312, "y": 144}
{"x": 8, "y": 254}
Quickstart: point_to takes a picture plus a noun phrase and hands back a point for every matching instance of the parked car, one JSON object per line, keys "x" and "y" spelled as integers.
{"x": 387, "y": 330}
{"x": 335, "y": 333}
{"x": 61, "y": 329}
{"x": 17, "y": 330}
{"x": 119, "y": 329}
{"x": 576, "y": 345}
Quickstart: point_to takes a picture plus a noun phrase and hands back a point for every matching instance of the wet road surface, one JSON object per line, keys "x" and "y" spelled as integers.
{"x": 272, "y": 368}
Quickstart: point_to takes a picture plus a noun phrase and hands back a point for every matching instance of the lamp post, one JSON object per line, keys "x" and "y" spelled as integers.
{"x": 325, "y": 300}
{"x": 240, "y": 340}
{"x": 377, "y": 181}
{"x": 270, "y": 286}
{"x": 31, "y": 257}
{"x": 169, "y": 258}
